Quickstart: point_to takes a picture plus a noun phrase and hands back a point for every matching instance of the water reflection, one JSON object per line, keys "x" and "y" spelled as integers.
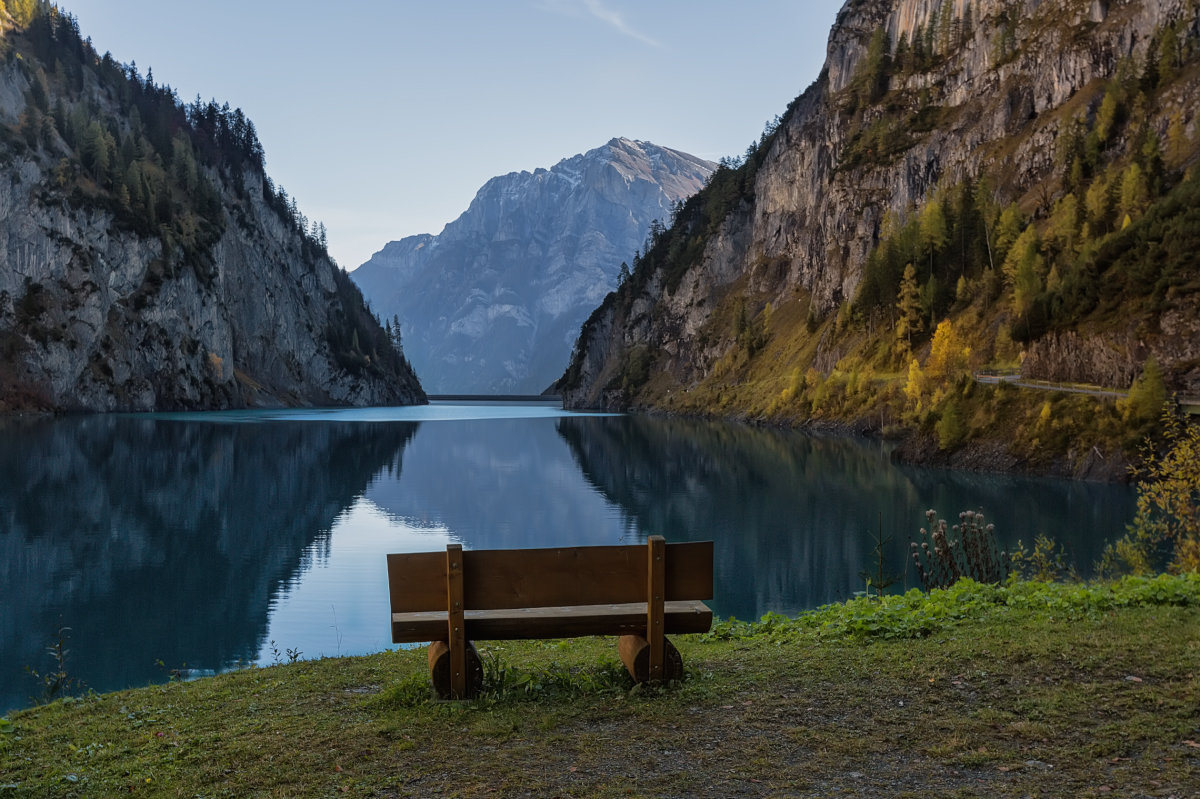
{"x": 199, "y": 539}
{"x": 159, "y": 540}
{"x": 499, "y": 484}
{"x": 792, "y": 514}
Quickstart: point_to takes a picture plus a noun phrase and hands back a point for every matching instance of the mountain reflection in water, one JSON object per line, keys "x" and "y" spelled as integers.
{"x": 199, "y": 539}
{"x": 163, "y": 541}
{"x": 794, "y": 514}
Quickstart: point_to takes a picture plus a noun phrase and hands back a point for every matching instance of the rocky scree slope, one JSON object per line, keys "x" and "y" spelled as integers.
{"x": 1014, "y": 104}
{"x": 148, "y": 263}
{"x": 493, "y": 303}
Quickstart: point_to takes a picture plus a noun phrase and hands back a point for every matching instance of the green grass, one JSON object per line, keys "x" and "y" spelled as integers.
{"x": 1029, "y": 689}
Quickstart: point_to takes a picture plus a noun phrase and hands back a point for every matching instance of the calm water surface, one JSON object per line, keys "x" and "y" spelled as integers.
{"x": 204, "y": 541}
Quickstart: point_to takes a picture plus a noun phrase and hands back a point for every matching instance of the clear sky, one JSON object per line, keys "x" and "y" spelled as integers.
{"x": 383, "y": 118}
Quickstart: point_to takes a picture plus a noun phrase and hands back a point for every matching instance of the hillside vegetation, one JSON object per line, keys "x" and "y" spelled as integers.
{"x": 1055, "y": 241}
{"x": 133, "y": 222}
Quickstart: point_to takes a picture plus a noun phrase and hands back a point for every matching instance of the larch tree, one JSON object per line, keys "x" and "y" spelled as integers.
{"x": 934, "y": 230}
{"x": 910, "y": 321}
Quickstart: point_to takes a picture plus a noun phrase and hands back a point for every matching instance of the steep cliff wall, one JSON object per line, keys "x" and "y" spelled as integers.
{"x": 917, "y": 99}
{"x": 141, "y": 267}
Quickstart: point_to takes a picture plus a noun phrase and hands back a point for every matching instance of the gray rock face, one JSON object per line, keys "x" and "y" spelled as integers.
{"x": 1004, "y": 92}
{"x": 493, "y": 303}
{"x": 96, "y": 317}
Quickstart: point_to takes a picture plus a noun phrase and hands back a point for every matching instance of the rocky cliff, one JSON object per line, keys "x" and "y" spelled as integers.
{"x": 938, "y": 134}
{"x": 493, "y": 303}
{"x": 147, "y": 262}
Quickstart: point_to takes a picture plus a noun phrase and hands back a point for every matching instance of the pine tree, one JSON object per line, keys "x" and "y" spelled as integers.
{"x": 1178, "y": 145}
{"x": 1063, "y": 229}
{"x": 397, "y": 340}
{"x": 22, "y": 11}
{"x": 934, "y": 235}
{"x": 1008, "y": 229}
{"x": 1168, "y": 56}
{"x": 909, "y": 307}
{"x": 1135, "y": 191}
{"x": 1022, "y": 253}
{"x": 1108, "y": 115}
{"x": 1098, "y": 202}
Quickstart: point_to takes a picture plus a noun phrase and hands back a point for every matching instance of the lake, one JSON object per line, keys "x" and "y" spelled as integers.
{"x": 202, "y": 542}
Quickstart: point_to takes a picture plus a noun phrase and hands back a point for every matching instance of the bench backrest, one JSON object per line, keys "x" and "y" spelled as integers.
{"x": 497, "y": 579}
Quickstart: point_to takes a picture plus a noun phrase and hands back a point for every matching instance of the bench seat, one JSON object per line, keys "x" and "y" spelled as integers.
{"x": 511, "y": 624}
{"x": 635, "y": 592}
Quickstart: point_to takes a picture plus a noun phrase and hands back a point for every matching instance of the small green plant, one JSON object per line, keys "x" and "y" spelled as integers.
{"x": 292, "y": 654}
{"x": 56, "y": 683}
{"x": 967, "y": 549}
{"x": 1045, "y": 563}
{"x": 877, "y": 578}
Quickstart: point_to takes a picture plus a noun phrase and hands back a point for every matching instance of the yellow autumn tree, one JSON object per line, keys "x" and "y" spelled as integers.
{"x": 915, "y": 387}
{"x": 949, "y": 356}
{"x": 1168, "y": 505}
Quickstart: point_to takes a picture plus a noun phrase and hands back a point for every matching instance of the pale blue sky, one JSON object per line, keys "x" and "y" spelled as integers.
{"x": 384, "y": 118}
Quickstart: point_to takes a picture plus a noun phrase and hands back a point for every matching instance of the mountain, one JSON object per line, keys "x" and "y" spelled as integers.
{"x": 493, "y": 303}
{"x": 146, "y": 260}
{"x": 998, "y": 184}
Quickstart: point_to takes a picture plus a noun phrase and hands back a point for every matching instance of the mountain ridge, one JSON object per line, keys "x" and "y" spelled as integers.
{"x": 490, "y": 304}
{"x": 1009, "y": 152}
{"x": 147, "y": 262}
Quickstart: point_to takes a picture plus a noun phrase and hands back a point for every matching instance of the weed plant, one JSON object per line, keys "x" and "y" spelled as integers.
{"x": 967, "y": 549}
{"x": 1046, "y": 562}
{"x": 56, "y": 683}
{"x": 878, "y": 579}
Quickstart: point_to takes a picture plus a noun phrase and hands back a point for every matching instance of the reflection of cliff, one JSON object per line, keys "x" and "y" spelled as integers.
{"x": 784, "y": 510}
{"x": 791, "y": 513}
{"x": 497, "y": 484}
{"x": 166, "y": 540}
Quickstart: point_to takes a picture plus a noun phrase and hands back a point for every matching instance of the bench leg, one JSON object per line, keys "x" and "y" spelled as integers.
{"x": 635, "y": 654}
{"x": 439, "y": 670}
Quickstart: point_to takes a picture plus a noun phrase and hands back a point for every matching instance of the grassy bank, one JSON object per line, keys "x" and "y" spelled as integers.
{"x": 1025, "y": 690}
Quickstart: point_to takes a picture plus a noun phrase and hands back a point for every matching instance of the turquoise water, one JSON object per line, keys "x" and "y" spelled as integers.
{"x": 199, "y": 542}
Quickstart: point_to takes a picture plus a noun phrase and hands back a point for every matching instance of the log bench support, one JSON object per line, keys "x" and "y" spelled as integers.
{"x": 639, "y": 593}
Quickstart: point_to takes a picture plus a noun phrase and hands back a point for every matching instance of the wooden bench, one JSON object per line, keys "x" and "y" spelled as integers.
{"x": 638, "y": 592}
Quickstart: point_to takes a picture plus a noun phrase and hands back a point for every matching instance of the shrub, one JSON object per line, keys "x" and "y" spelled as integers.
{"x": 1046, "y": 562}
{"x": 950, "y": 428}
{"x": 1166, "y": 526}
{"x": 1146, "y": 395}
